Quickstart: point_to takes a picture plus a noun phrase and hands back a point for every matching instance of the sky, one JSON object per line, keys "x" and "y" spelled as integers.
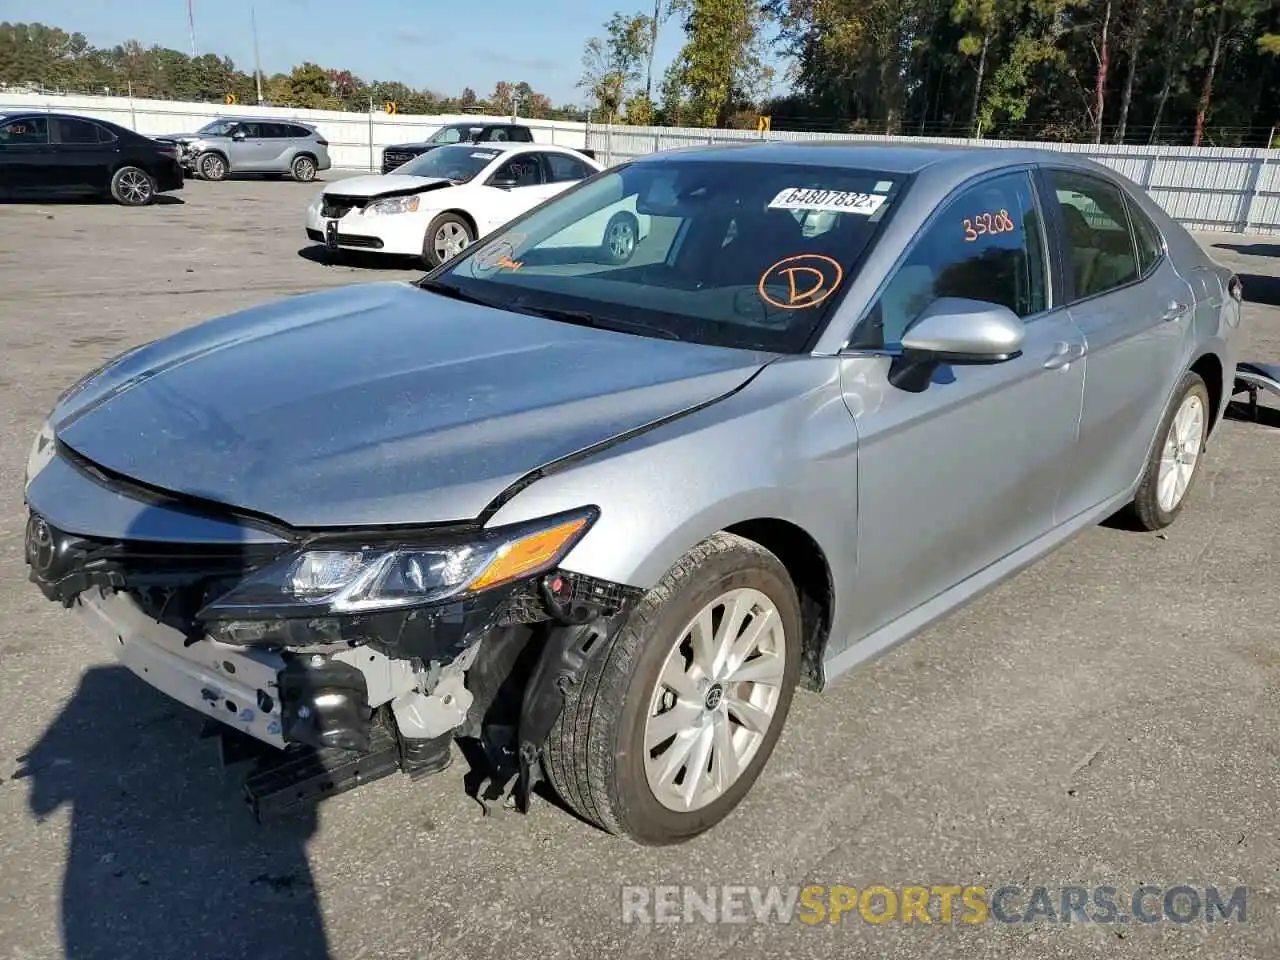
{"x": 427, "y": 44}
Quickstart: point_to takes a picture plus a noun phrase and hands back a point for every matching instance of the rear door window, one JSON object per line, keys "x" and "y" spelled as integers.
{"x": 1100, "y": 248}
{"x": 77, "y": 131}
{"x": 562, "y": 167}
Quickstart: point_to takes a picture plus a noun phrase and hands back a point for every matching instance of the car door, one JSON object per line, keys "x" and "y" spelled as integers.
{"x": 522, "y": 185}
{"x": 1134, "y": 318}
{"x": 26, "y": 156}
{"x": 83, "y": 160}
{"x": 249, "y": 149}
{"x": 965, "y": 472}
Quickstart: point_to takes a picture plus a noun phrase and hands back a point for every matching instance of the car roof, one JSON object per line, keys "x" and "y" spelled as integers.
{"x": 959, "y": 159}
{"x": 292, "y": 123}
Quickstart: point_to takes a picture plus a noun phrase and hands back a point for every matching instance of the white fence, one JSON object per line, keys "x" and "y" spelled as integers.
{"x": 1204, "y": 188}
{"x": 355, "y": 139}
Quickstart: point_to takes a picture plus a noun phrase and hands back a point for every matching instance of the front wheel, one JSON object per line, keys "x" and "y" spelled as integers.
{"x": 1175, "y": 460}
{"x": 132, "y": 187}
{"x": 674, "y": 722}
{"x": 212, "y": 166}
{"x": 447, "y": 236}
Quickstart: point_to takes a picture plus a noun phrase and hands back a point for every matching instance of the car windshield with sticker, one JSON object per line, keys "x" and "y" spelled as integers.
{"x": 458, "y": 163}
{"x": 750, "y": 255}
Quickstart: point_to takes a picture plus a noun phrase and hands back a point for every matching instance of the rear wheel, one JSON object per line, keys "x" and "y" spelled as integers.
{"x": 1175, "y": 461}
{"x": 621, "y": 235}
{"x": 303, "y": 169}
{"x": 674, "y": 722}
{"x": 447, "y": 236}
{"x": 212, "y": 166}
{"x": 132, "y": 187}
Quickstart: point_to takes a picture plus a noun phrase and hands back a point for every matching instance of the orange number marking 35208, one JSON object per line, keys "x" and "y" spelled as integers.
{"x": 984, "y": 223}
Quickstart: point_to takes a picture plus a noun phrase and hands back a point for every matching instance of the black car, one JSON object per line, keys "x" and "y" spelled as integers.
{"x": 398, "y": 153}
{"x": 56, "y": 153}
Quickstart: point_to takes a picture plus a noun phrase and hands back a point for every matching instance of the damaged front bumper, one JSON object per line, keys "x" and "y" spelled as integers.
{"x": 326, "y": 701}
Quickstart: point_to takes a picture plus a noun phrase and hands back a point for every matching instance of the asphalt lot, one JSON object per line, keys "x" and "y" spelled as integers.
{"x": 1109, "y": 718}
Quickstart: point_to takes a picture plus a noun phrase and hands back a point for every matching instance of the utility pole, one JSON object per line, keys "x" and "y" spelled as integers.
{"x": 257, "y": 64}
{"x": 191, "y": 26}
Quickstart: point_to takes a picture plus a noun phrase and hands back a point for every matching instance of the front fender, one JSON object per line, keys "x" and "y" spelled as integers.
{"x": 784, "y": 448}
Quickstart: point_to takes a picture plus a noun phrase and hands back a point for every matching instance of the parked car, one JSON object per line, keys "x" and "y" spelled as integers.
{"x": 441, "y": 202}
{"x": 603, "y": 519}
{"x": 63, "y": 154}
{"x": 401, "y": 153}
{"x": 252, "y": 145}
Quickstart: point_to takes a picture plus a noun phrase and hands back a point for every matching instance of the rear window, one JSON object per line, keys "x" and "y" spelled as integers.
{"x": 739, "y": 254}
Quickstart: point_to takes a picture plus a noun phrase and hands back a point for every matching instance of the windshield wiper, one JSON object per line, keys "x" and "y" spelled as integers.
{"x": 456, "y": 293}
{"x": 584, "y": 319}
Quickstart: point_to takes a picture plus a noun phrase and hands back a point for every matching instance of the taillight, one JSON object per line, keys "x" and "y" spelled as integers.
{"x": 322, "y": 142}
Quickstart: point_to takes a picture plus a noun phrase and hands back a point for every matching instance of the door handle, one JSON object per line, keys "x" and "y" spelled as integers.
{"x": 1175, "y": 311}
{"x": 1063, "y": 354}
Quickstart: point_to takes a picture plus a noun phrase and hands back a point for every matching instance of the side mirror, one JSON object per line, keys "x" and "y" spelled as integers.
{"x": 956, "y": 331}
{"x": 238, "y": 135}
{"x": 505, "y": 183}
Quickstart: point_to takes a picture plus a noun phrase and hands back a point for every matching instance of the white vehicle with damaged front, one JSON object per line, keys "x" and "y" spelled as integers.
{"x": 438, "y": 204}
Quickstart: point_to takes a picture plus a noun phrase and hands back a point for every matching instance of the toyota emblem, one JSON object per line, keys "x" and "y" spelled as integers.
{"x": 39, "y": 544}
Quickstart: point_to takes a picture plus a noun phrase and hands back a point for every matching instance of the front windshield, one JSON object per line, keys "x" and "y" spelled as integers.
{"x": 458, "y": 163}
{"x": 218, "y": 128}
{"x": 453, "y": 134}
{"x": 732, "y": 253}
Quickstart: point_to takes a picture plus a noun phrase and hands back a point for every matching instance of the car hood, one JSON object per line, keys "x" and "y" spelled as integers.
{"x": 377, "y": 404}
{"x": 375, "y": 185}
{"x": 420, "y": 145}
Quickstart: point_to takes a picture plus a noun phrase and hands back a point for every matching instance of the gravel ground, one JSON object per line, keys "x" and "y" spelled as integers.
{"x": 1108, "y": 718}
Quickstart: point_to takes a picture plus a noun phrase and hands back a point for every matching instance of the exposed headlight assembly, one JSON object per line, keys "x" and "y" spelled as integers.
{"x": 393, "y": 205}
{"x": 336, "y": 579}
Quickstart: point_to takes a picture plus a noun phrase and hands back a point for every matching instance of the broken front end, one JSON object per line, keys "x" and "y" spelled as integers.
{"x": 328, "y": 658}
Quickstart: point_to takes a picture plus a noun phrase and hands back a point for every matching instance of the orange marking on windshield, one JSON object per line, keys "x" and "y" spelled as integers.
{"x": 809, "y": 278}
{"x": 984, "y": 223}
{"x": 493, "y": 257}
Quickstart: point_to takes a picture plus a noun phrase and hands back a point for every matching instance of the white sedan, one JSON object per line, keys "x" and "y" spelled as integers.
{"x": 444, "y": 200}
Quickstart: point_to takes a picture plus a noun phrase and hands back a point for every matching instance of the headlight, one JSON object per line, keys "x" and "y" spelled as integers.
{"x": 340, "y": 579}
{"x": 41, "y": 452}
{"x": 393, "y": 205}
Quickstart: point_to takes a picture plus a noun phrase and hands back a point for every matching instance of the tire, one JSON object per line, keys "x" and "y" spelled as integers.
{"x": 595, "y": 755}
{"x": 443, "y": 231}
{"x": 621, "y": 236}
{"x": 133, "y": 187}
{"x": 212, "y": 165}
{"x": 303, "y": 168}
{"x": 1175, "y": 459}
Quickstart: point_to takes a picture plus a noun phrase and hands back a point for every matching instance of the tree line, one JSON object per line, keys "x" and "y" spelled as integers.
{"x": 1204, "y": 72}
{"x": 35, "y": 56}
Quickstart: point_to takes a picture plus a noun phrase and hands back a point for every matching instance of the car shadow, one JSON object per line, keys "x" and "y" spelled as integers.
{"x": 1239, "y": 411}
{"x": 34, "y": 200}
{"x": 1251, "y": 249}
{"x": 163, "y": 859}
{"x": 1261, "y": 289}
{"x": 318, "y": 253}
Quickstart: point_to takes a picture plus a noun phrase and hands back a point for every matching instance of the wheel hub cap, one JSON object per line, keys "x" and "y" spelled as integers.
{"x": 715, "y": 700}
{"x": 1181, "y": 453}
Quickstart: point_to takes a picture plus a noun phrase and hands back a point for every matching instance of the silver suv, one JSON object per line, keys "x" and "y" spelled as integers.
{"x": 250, "y": 145}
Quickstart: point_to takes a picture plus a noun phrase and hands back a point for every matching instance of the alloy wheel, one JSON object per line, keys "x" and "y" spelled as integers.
{"x": 304, "y": 169}
{"x": 450, "y": 240}
{"x": 1181, "y": 453}
{"x": 213, "y": 168}
{"x": 135, "y": 187}
{"x": 621, "y": 239}
{"x": 715, "y": 700}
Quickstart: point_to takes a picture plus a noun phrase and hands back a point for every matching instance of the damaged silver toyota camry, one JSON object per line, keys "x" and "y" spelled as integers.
{"x": 598, "y": 517}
